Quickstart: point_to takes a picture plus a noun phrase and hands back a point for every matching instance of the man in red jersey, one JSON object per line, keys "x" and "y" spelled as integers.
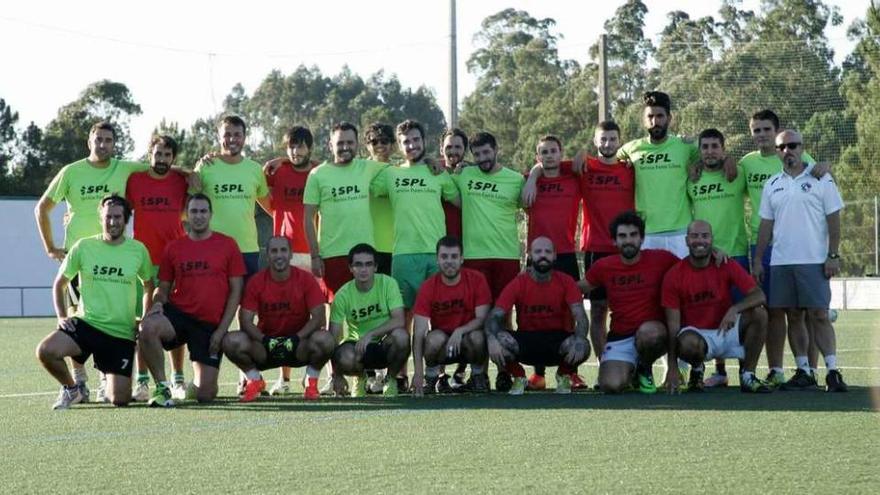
{"x": 205, "y": 269}
{"x": 632, "y": 281}
{"x": 551, "y": 322}
{"x": 291, "y": 331}
{"x": 700, "y": 314}
{"x": 453, "y": 146}
{"x": 157, "y": 197}
{"x": 448, "y": 327}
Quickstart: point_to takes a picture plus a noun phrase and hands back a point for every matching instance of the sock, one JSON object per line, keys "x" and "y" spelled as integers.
{"x": 161, "y": 384}
{"x": 778, "y": 370}
{"x": 540, "y": 370}
{"x": 252, "y": 374}
{"x": 720, "y": 368}
{"x": 564, "y": 369}
{"x": 71, "y": 388}
{"x": 178, "y": 377}
{"x": 432, "y": 371}
{"x": 477, "y": 369}
{"x": 515, "y": 369}
{"x": 802, "y": 363}
{"x": 831, "y": 362}
{"x": 311, "y": 372}
{"x": 746, "y": 377}
{"x": 80, "y": 375}
{"x": 143, "y": 377}
{"x": 312, "y": 382}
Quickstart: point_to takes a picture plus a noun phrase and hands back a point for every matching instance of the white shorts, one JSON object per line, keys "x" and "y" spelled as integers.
{"x": 720, "y": 345}
{"x": 621, "y": 350}
{"x": 301, "y": 260}
{"x": 675, "y": 244}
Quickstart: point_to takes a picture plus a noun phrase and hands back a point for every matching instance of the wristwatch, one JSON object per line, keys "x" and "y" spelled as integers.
{"x": 833, "y": 256}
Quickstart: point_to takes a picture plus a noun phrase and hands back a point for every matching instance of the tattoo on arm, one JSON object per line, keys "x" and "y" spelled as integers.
{"x": 582, "y": 322}
{"x": 495, "y": 322}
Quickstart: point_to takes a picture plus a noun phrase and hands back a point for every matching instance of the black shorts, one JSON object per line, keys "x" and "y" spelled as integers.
{"x": 590, "y": 257}
{"x": 566, "y": 263}
{"x": 194, "y": 333}
{"x": 376, "y": 354}
{"x": 113, "y": 355}
{"x": 281, "y": 355}
{"x": 383, "y": 263}
{"x": 540, "y": 348}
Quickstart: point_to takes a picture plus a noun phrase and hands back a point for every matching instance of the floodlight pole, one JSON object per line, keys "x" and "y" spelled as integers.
{"x": 604, "y": 107}
{"x": 452, "y": 112}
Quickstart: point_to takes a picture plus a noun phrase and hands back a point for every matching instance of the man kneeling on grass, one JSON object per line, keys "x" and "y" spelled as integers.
{"x": 703, "y": 324}
{"x": 367, "y": 317}
{"x": 289, "y": 304}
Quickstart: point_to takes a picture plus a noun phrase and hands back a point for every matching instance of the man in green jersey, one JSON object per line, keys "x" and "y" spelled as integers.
{"x": 367, "y": 317}
{"x": 109, "y": 266}
{"x": 379, "y": 140}
{"x": 82, "y": 184}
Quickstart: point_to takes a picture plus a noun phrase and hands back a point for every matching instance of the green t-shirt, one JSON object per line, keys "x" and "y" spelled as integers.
{"x": 83, "y": 186}
{"x": 489, "y": 203}
{"x": 364, "y": 311}
{"x": 415, "y": 195}
{"x": 661, "y": 181}
{"x": 234, "y": 189}
{"x": 758, "y": 168}
{"x": 722, "y": 204}
{"x": 342, "y": 196}
{"x": 383, "y": 224}
{"x": 108, "y": 280}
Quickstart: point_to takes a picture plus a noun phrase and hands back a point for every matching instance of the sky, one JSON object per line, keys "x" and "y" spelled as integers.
{"x": 180, "y": 59}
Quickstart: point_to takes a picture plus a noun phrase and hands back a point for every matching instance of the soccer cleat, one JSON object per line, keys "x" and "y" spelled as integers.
{"x": 695, "y": 381}
{"x": 376, "y": 382}
{"x": 68, "y": 397}
{"x": 101, "y": 396}
{"x": 800, "y": 381}
{"x": 517, "y": 386}
{"x": 161, "y": 397}
{"x": 478, "y": 384}
{"x": 504, "y": 382}
{"x": 252, "y": 389}
{"x": 141, "y": 392}
{"x": 834, "y": 382}
{"x": 716, "y": 380}
{"x": 430, "y": 387}
{"x": 83, "y": 391}
{"x": 443, "y": 386}
{"x": 563, "y": 384}
{"x": 241, "y": 386}
{"x": 280, "y": 387}
{"x": 402, "y": 385}
{"x": 327, "y": 389}
{"x": 577, "y": 382}
{"x": 391, "y": 387}
{"x": 775, "y": 379}
{"x": 458, "y": 381}
{"x": 311, "y": 390}
{"x": 360, "y": 387}
{"x": 536, "y": 382}
{"x": 645, "y": 382}
{"x": 755, "y": 386}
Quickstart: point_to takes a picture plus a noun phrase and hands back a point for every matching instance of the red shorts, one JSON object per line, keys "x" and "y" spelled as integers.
{"x": 498, "y": 273}
{"x": 336, "y": 272}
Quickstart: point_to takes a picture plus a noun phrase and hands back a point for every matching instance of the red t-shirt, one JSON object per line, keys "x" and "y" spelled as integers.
{"x": 541, "y": 306}
{"x": 633, "y": 290}
{"x": 449, "y": 307}
{"x": 282, "y": 308}
{"x": 554, "y": 213}
{"x": 158, "y": 205}
{"x": 286, "y": 187}
{"x": 607, "y": 190}
{"x": 703, "y": 294}
{"x": 200, "y": 272}
{"x": 453, "y": 219}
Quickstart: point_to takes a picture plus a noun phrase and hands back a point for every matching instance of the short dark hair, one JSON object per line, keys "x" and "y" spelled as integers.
{"x": 362, "y": 248}
{"x": 710, "y": 134}
{"x": 629, "y": 217}
{"x": 165, "y": 140}
{"x": 299, "y": 135}
{"x": 408, "y": 125}
{"x": 344, "y": 126}
{"x": 767, "y": 114}
{"x": 550, "y": 137}
{"x": 482, "y": 138}
{"x": 449, "y": 241}
{"x": 117, "y": 200}
{"x": 282, "y": 237}
{"x": 201, "y": 196}
{"x": 455, "y": 131}
{"x": 233, "y": 120}
{"x": 657, "y": 99}
{"x": 608, "y": 125}
{"x": 378, "y": 130}
{"x": 103, "y": 125}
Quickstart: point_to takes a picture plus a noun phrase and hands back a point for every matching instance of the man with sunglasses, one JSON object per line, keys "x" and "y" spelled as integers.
{"x": 380, "y": 142}
{"x": 802, "y": 215}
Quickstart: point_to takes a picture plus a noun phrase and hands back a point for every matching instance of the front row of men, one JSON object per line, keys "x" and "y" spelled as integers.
{"x": 659, "y": 306}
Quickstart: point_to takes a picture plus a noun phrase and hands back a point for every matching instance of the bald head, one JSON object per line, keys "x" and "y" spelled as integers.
{"x": 543, "y": 254}
{"x": 699, "y": 240}
{"x": 790, "y": 147}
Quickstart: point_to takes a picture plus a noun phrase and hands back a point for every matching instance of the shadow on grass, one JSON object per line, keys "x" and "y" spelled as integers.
{"x": 859, "y": 399}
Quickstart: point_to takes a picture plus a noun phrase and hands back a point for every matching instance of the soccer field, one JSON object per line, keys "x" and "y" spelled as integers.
{"x": 717, "y": 442}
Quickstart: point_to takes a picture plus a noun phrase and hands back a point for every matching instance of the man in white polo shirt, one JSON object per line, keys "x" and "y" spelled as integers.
{"x": 802, "y": 215}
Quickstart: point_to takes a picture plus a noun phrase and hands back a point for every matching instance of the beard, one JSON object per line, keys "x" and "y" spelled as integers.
{"x": 657, "y": 133}
{"x": 542, "y": 266}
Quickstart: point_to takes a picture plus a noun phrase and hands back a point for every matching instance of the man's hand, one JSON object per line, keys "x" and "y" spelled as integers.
{"x": 730, "y": 170}
{"x": 820, "y": 169}
{"x": 496, "y": 352}
{"x": 317, "y": 266}
{"x": 434, "y": 166}
{"x": 576, "y": 351}
{"x": 579, "y": 162}
{"x": 832, "y": 267}
{"x": 156, "y": 309}
{"x": 453, "y": 344}
{"x": 194, "y": 182}
{"x": 272, "y": 166}
{"x": 720, "y": 256}
{"x": 695, "y": 172}
{"x": 672, "y": 378}
{"x": 529, "y": 193}
{"x": 56, "y": 254}
{"x": 728, "y": 321}
{"x": 361, "y": 347}
{"x": 214, "y": 343}
{"x": 207, "y": 159}
{"x": 758, "y": 271}
{"x": 418, "y": 384}
{"x": 67, "y": 324}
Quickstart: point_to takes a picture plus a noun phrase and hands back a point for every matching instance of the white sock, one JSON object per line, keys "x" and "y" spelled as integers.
{"x": 831, "y": 362}
{"x": 312, "y": 372}
{"x": 432, "y": 371}
{"x": 802, "y": 363}
{"x": 746, "y": 377}
{"x": 80, "y": 375}
{"x": 476, "y": 369}
{"x": 252, "y": 374}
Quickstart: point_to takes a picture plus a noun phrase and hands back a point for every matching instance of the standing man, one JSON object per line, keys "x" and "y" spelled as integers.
{"x": 200, "y": 281}
{"x": 157, "y": 197}
{"x": 109, "y": 267}
{"x": 448, "y": 328}
{"x": 453, "y": 146}
{"x": 802, "y": 215}
{"x": 291, "y": 331}
{"x": 380, "y": 144}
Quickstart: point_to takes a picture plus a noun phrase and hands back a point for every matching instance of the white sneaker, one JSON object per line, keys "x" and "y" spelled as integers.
{"x": 239, "y": 390}
{"x": 67, "y": 398}
{"x": 376, "y": 384}
{"x": 141, "y": 392}
{"x": 101, "y": 396}
{"x": 716, "y": 380}
{"x": 178, "y": 391}
{"x": 280, "y": 387}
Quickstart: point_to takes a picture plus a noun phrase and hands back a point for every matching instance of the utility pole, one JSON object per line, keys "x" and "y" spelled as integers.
{"x": 604, "y": 106}
{"x": 452, "y": 113}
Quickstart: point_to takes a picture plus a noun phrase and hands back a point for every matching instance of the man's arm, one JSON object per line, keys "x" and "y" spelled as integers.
{"x": 232, "y": 301}
{"x": 673, "y": 325}
{"x": 317, "y": 321}
{"x": 494, "y": 325}
{"x": 832, "y": 266}
{"x": 396, "y": 320}
{"x": 579, "y": 350}
{"x": 44, "y": 226}
{"x": 530, "y": 188}
{"x": 148, "y": 297}
{"x": 310, "y": 221}
{"x": 159, "y": 298}
{"x": 420, "y": 328}
{"x": 336, "y": 331}
{"x": 246, "y": 320}
{"x": 752, "y": 299}
{"x": 765, "y": 233}
{"x": 266, "y": 204}
{"x": 454, "y": 342}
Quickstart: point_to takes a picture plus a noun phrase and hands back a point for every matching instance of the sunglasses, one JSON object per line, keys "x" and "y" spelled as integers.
{"x": 376, "y": 141}
{"x": 784, "y": 146}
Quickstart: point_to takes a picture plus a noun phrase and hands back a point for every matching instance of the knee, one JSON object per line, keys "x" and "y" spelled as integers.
{"x": 322, "y": 342}
{"x": 434, "y": 341}
{"x": 45, "y": 352}
{"x": 235, "y": 342}
{"x": 476, "y": 341}
{"x": 690, "y": 348}
{"x": 759, "y": 315}
{"x": 818, "y": 315}
{"x": 400, "y": 339}
{"x": 343, "y": 357}
{"x": 650, "y": 337}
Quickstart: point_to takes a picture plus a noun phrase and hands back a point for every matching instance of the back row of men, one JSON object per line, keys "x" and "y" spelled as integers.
{"x": 325, "y": 210}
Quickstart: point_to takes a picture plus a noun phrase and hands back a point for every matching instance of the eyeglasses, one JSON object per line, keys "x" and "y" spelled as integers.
{"x": 791, "y": 146}
{"x": 376, "y": 141}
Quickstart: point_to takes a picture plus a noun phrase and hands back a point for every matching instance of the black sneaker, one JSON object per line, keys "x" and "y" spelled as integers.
{"x": 695, "y": 381}
{"x": 430, "y": 387}
{"x": 402, "y": 384}
{"x": 443, "y": 386}
{"x": 503, "y": 382}
{"x": 800, "y": 381}
{"x": 834, "y": 382}
{"x": 458, "y": 381}
{"x": 478, "y": 384}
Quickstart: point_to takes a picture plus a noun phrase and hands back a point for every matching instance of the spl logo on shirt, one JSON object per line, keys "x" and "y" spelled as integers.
{"x": 658, "y": 158}
{"x": 702, "y": 296}
{"x": 476, "y": 185}
{"x": 90, "y": 190}
{"x": 340, "y": 191}
{"x": 145, "y": 202}
{"x": 806, "y": 186}
{"x": 360, "y": 313}
{"x": 444, "y": 306}
{"x": 273, "y": 307}
{"x": 534, "y": 309}
{"x": 707, "y": 189}
{"x": 192, "y": 266}
{"x": 228, "y": 188}
{"x": 550, "y": 188}
{"x": 757, "y": 179}
{"x": 603, "y": 180}
{"x": 293, "y": 192}
{"x": 411, "y": 183}
{"x": 627, "y": 279}
{"x": 107, "y": 271}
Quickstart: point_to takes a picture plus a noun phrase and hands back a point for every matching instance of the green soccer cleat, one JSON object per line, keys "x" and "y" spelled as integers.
{"x": 360, "y": 387}
{"x": 646, "y": 383}
{"x": 775, "y": 379}
{"x": 563, "y": 384}
{"x": 755, "y": 386}
{"x": 518, "y": 387}
{"x": 161, "y": 396}
{"x": 390, "y": 389}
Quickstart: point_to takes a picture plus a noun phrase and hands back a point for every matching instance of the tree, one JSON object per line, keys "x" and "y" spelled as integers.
{"x": 8, "y": 119}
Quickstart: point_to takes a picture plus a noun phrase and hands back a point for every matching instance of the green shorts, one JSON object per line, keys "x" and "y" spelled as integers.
{"x": 410, "y": 270}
